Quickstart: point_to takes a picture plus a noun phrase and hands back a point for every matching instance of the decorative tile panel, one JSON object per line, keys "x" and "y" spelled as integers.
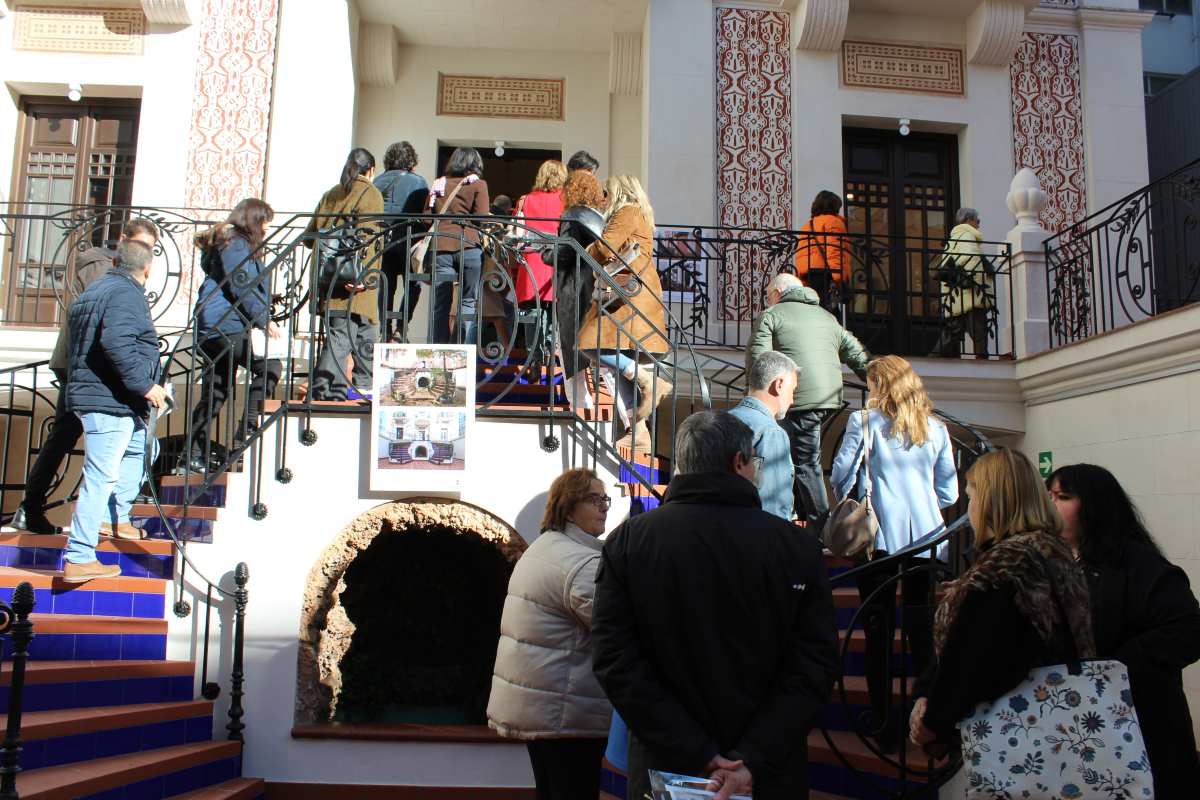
{"x": 1047, "y": 117}
{"x": 231, "y": 109}
{"x": 52, "y": 29}
{"x": 903, "y": 67}
{"x": 515, "y": 98}
{"x": 754, "y": 139}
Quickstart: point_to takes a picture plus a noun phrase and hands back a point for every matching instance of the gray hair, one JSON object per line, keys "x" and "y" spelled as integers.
{"x": 133, "y": 257}
{"x": 966, "y": 214}
{"x": 767, "y": 367}
{"x": 784, "y": 282}
{"x": 707, "y": 441}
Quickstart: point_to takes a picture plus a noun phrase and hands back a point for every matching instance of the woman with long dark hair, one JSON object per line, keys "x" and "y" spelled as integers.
{"x": 234, "y": 298}
{"x": 460, "y": 192}
{"x": 1143, "y": 612}
{"x": 351, "y": 310}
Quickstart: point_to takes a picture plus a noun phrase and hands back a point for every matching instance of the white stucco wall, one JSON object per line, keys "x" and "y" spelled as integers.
{"x": 508, "y": 475}
{"x": 1130, "y": 401}
{"x": 408, "y": 110}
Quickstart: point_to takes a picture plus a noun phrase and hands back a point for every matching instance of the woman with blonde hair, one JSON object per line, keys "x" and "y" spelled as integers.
{"x": 543, "y": 689}
{"x": 1005, "y": 615}
{"x": 624, "y": 332}
{"x": 540, "y": 210}
{"x": 912, "y": 477}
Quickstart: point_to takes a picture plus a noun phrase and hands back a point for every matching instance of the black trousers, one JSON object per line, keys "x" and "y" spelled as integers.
{"x": 225, "y": 354}
{"x": 64, "y": 432}
{"x": 395, "y": 267}
{"x": 974, "y": 322}
{"x": 879, "y": 626}
{"x": 572, "y": 300}
{"x": 790, "y": 783}
{"x": 566, "y": 769}
{"x": 804, "y": 430}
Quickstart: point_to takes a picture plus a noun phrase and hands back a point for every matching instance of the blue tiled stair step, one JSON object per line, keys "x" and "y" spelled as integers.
{"x": 115, "y": 597}
{"x": 138, "y": 559}
{"x": 236, "y": 789}
{"x": 146, "y": 775}
{"x": 50, "y": 738}
{"x": 192, "y": 530}
{"x": 51, "y": 685}
{"x": 72, "y": 637}
{"x": 654, "y": 474}
{"x": 857, "y": 753}
{"x": 172, "y": 488}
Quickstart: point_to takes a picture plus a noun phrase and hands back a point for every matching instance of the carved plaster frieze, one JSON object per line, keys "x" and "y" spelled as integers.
{"x": 625, "y": 64}
{"x": 378, "y": 55}
{"x": 994, "y": 32}
{"x": 821, "y": 24}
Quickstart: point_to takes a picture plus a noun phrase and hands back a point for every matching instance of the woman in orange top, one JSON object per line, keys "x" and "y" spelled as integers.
{"x": 821, "y": 259}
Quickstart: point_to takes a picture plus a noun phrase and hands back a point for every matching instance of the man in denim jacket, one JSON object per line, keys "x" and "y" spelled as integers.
{"x": 771, "y": 383}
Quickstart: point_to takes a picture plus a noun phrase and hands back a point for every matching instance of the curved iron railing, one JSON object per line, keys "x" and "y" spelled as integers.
{"x": 1129, "y": 261}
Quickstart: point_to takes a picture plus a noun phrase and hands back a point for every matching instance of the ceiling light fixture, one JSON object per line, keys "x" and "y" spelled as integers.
{"x": 74, "y": 92}
{"x": 499, "y": 149}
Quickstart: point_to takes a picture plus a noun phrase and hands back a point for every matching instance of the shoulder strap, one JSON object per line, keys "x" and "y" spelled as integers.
{"x": 1065, "y": 633}
{"x": 866, "y": 422}
{"x": 452, "y": 195}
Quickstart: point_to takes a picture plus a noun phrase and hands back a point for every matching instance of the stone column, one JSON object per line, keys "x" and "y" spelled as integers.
{"x": 1028, "y": 325}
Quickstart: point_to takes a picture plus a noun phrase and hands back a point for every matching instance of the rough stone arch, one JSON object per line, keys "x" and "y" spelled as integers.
{"x": 325, "y": 628}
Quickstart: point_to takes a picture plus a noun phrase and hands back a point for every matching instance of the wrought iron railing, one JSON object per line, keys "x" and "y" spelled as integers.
{"x": 1129, "y": 261}
{"x": 715, "y": 280}
{"x": 16, "y": 626}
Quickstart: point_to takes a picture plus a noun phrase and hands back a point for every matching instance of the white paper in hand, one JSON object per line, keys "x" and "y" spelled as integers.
{"x": 263, "y": 346}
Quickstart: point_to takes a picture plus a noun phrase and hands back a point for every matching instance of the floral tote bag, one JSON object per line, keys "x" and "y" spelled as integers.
{"x": 1069, "y": 732}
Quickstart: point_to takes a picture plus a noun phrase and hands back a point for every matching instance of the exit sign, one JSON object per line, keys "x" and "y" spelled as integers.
{"x": 1045, "y": 463}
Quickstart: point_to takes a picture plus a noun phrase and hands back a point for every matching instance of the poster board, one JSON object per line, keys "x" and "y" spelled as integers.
{"x": 422, "y": 413}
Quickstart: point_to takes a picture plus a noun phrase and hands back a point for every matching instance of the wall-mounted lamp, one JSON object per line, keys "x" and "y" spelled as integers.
{"x": 905, "y": 130}
{"x": 74, "y": 92}
{"x": 499, "y": 149}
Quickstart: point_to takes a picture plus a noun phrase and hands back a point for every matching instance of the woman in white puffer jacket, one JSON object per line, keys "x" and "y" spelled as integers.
{"x": 543, "y": 689}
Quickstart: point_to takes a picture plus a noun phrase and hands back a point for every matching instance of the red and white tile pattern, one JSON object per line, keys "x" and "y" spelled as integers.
{"x": 1047, "y": 119}
{"x": 754, "y": 136}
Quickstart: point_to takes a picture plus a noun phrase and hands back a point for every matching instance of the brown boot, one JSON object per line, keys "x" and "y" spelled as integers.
{"x": 124, "y": 530}
{"x": 636, "y": 438}
{"x": 651, "y": 391}
{"x": 82, "y": 573}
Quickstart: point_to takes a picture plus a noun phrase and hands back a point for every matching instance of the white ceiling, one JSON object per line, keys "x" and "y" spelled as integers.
{"x": 578, "y": 25}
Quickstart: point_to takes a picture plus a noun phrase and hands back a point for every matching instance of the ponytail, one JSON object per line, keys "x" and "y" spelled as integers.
{"x": 358, "y": 162}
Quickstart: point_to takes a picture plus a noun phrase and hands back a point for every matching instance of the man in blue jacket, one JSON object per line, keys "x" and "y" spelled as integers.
{"x": 771, "y": 384}
{"x": 111, "y": 386}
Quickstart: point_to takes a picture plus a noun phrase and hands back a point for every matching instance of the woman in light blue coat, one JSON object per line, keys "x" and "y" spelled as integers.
{"x": 913, "y": 477}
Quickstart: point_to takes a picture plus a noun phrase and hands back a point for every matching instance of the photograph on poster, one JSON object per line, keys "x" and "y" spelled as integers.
{"x": 680, "y": 262}
{"x": 421, "y": 417}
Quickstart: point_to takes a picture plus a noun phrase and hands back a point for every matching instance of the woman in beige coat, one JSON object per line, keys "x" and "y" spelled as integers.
{"x": 624, "y": 334}
{"x": 966, "y": 307}
{"x": 543, "y": 689}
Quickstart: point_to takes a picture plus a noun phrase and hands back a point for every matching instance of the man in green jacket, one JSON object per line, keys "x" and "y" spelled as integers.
{"x": 795, "y": 324}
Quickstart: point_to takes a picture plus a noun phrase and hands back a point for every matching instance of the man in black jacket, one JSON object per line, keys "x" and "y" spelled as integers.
{"x": 713, "y": 626}
{"x": 66, "y": 429}
{"x": 113, "y": 371}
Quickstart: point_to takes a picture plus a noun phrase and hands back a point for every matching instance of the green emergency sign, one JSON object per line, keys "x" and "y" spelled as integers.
{"x": 1045, "y": 463}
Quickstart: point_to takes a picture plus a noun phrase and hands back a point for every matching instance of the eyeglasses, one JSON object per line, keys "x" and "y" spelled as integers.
{"x": 758, "y": 462}
{"x": 600, "y": 501}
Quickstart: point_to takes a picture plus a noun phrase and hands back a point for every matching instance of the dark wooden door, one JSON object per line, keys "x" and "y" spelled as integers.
{"x": 71, "y": 155}
{"x": 901, "y": 194}
{"x": 511, "y": 174}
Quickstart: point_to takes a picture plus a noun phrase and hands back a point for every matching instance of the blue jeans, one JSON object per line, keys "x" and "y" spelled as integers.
{"x": 114, "y": 450}
{"x": 465, "y": 271}
{"x": 618, "y": 361}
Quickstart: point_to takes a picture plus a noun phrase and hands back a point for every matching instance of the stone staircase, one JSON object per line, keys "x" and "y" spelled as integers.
{"x": 106, "y": 714}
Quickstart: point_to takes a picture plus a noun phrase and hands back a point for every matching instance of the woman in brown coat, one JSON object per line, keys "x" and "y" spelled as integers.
{"x": 626, "y": 332}
{"x": 459, "y": 249}
{"x": 351, "y": 310}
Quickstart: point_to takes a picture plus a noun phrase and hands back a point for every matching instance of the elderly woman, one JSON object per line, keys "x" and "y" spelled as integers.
{"x": 543, "y": 689}
{"x": 967, "y": 288}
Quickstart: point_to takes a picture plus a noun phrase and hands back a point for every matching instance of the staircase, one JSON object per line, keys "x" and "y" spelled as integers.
{"x": 106, "y": 714}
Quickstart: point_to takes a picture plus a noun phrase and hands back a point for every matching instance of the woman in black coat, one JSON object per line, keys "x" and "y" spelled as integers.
{"x": 1144, "y": 615}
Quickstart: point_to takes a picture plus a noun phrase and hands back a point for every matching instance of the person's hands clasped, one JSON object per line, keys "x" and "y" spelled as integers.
{"x": 157, "y": 396}
{"x": 728, "y": 778}
{"x": 354, "y": 288}
{"x": 918, "y": 733}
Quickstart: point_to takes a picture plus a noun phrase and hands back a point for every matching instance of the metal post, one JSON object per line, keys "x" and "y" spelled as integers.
{"x": 16, "y": 621}
{"x": 241, "y": 575}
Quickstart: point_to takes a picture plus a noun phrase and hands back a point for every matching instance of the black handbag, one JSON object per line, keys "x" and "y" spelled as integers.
{"x": 339, "y": 252}
{"x": 950, "y": 273}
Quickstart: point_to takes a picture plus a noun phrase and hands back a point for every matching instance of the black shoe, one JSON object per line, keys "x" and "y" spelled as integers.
{"x": 34, "y": 522}
{"x": 194, "y": 463}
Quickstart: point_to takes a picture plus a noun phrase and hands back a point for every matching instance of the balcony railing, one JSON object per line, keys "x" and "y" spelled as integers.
{"x": 1130, "y": 261}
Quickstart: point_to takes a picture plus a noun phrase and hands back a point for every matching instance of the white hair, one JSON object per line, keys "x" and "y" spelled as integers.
{"x": 784, "y": 282}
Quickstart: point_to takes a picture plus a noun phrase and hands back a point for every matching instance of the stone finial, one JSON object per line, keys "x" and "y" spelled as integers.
{"x": 1026, "y": 199}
